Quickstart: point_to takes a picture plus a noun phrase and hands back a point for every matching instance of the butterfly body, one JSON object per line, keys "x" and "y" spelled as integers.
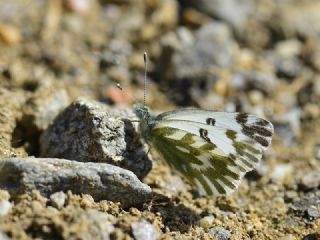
{"x": 213, "y": 150}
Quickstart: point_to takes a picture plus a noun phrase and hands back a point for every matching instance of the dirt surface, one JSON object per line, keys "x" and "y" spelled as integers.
{"x": 262, "y": 57}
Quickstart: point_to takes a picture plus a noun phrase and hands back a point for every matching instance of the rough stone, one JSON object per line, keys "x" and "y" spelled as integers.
{"x": 39, "y": 111}
{"x": 220, "y": 233}
{"x": 308, "y": 207}
{"x": 43, "y": 106}
{"x": 192, "y": 63}
{"x": 90, "y": 224}
{"x": 310, "y": 181}
{"x": 58, "y": 199}
{"x": 100, "y": 180}
{"x": 144, "y": 230}
{"x": 89, "y": 131}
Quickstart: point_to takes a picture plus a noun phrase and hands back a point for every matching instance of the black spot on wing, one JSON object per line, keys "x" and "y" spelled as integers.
{"x": 204, "y": 134}
{"x": 261, "y": 140}
{"x": 263, "y": 123}
{"x": 211, "y": 121}
{"x": 242, "y": 118}
{"x": 256, "y": 130}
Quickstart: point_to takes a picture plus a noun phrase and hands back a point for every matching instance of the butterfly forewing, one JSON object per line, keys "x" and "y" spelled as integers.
{"x": 213, "y": 150}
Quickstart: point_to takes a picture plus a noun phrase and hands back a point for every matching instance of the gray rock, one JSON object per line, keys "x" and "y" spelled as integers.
{"x": 308, "y": 207}
{"x": 58, "y": 199}
{"x": 264, "y": 82}
{"x": 5, "y": 207}
{"x": 287, "y": 125}
{"x": 285, "y": 58}
{"x": 220, "y": 233}
{"x": 310, "y": 180}
{"x": 144, "y": 230}
{"x": 43, "y": 106}
{"x": 89, "y": 131}
{"x": 190, "y": 63}
{"x": 213, "y": 46}
{"x": 100, "y": 180}
{"x": 234, "y": 12}
{"x": 91, "y": 224}
{"x": 39, "y": 111}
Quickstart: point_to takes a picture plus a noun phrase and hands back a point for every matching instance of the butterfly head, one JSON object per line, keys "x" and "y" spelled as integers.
{"x": 145, "y": 118}
{"x": 142, "y": 112}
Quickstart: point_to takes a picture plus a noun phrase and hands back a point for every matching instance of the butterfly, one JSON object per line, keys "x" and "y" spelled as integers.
{"x": 213, "y": 150}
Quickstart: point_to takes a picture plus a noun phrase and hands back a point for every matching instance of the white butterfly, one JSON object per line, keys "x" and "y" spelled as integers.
{"x": 213, "y": 150}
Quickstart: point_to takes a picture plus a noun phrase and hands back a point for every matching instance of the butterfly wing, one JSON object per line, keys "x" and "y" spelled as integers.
{"x": 213, "y": 150}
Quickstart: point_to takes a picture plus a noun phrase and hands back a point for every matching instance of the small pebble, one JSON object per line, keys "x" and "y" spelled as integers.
{"x": 220, "y": 233}
{"x": 9, "y": 34}
{"x": 310, "y": 180}
{"x": 280, "y": 171}
{"x": 144, "y": 230}
{"x": 5, "y": 207}
{"x": 206, "y": 222}
{"x": 78, "y": 6}
{"x": 58, "y": 199}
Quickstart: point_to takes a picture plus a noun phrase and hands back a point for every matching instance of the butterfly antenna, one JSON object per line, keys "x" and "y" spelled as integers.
{"x": 145, "y": 58}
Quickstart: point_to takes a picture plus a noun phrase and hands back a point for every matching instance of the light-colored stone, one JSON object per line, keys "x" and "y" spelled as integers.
{"x": 47, "y": 175}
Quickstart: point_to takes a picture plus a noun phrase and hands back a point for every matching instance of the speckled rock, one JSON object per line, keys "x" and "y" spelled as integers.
{"x": 144, "y": 230}
{"x": 220, "y": 233}
{"x": 308, "y": 207}
{"x": 100, "y": 180}
{"x": 91, "y": 224}
{"x": 89, "y": 131}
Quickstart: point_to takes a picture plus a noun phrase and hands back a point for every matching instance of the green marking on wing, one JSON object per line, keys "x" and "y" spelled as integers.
{"x": 198, "y": 165}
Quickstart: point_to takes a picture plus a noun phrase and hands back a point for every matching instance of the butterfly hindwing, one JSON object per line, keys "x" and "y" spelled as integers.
{"x": 212, "y": 150}
{"x": 193, "y": 157}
